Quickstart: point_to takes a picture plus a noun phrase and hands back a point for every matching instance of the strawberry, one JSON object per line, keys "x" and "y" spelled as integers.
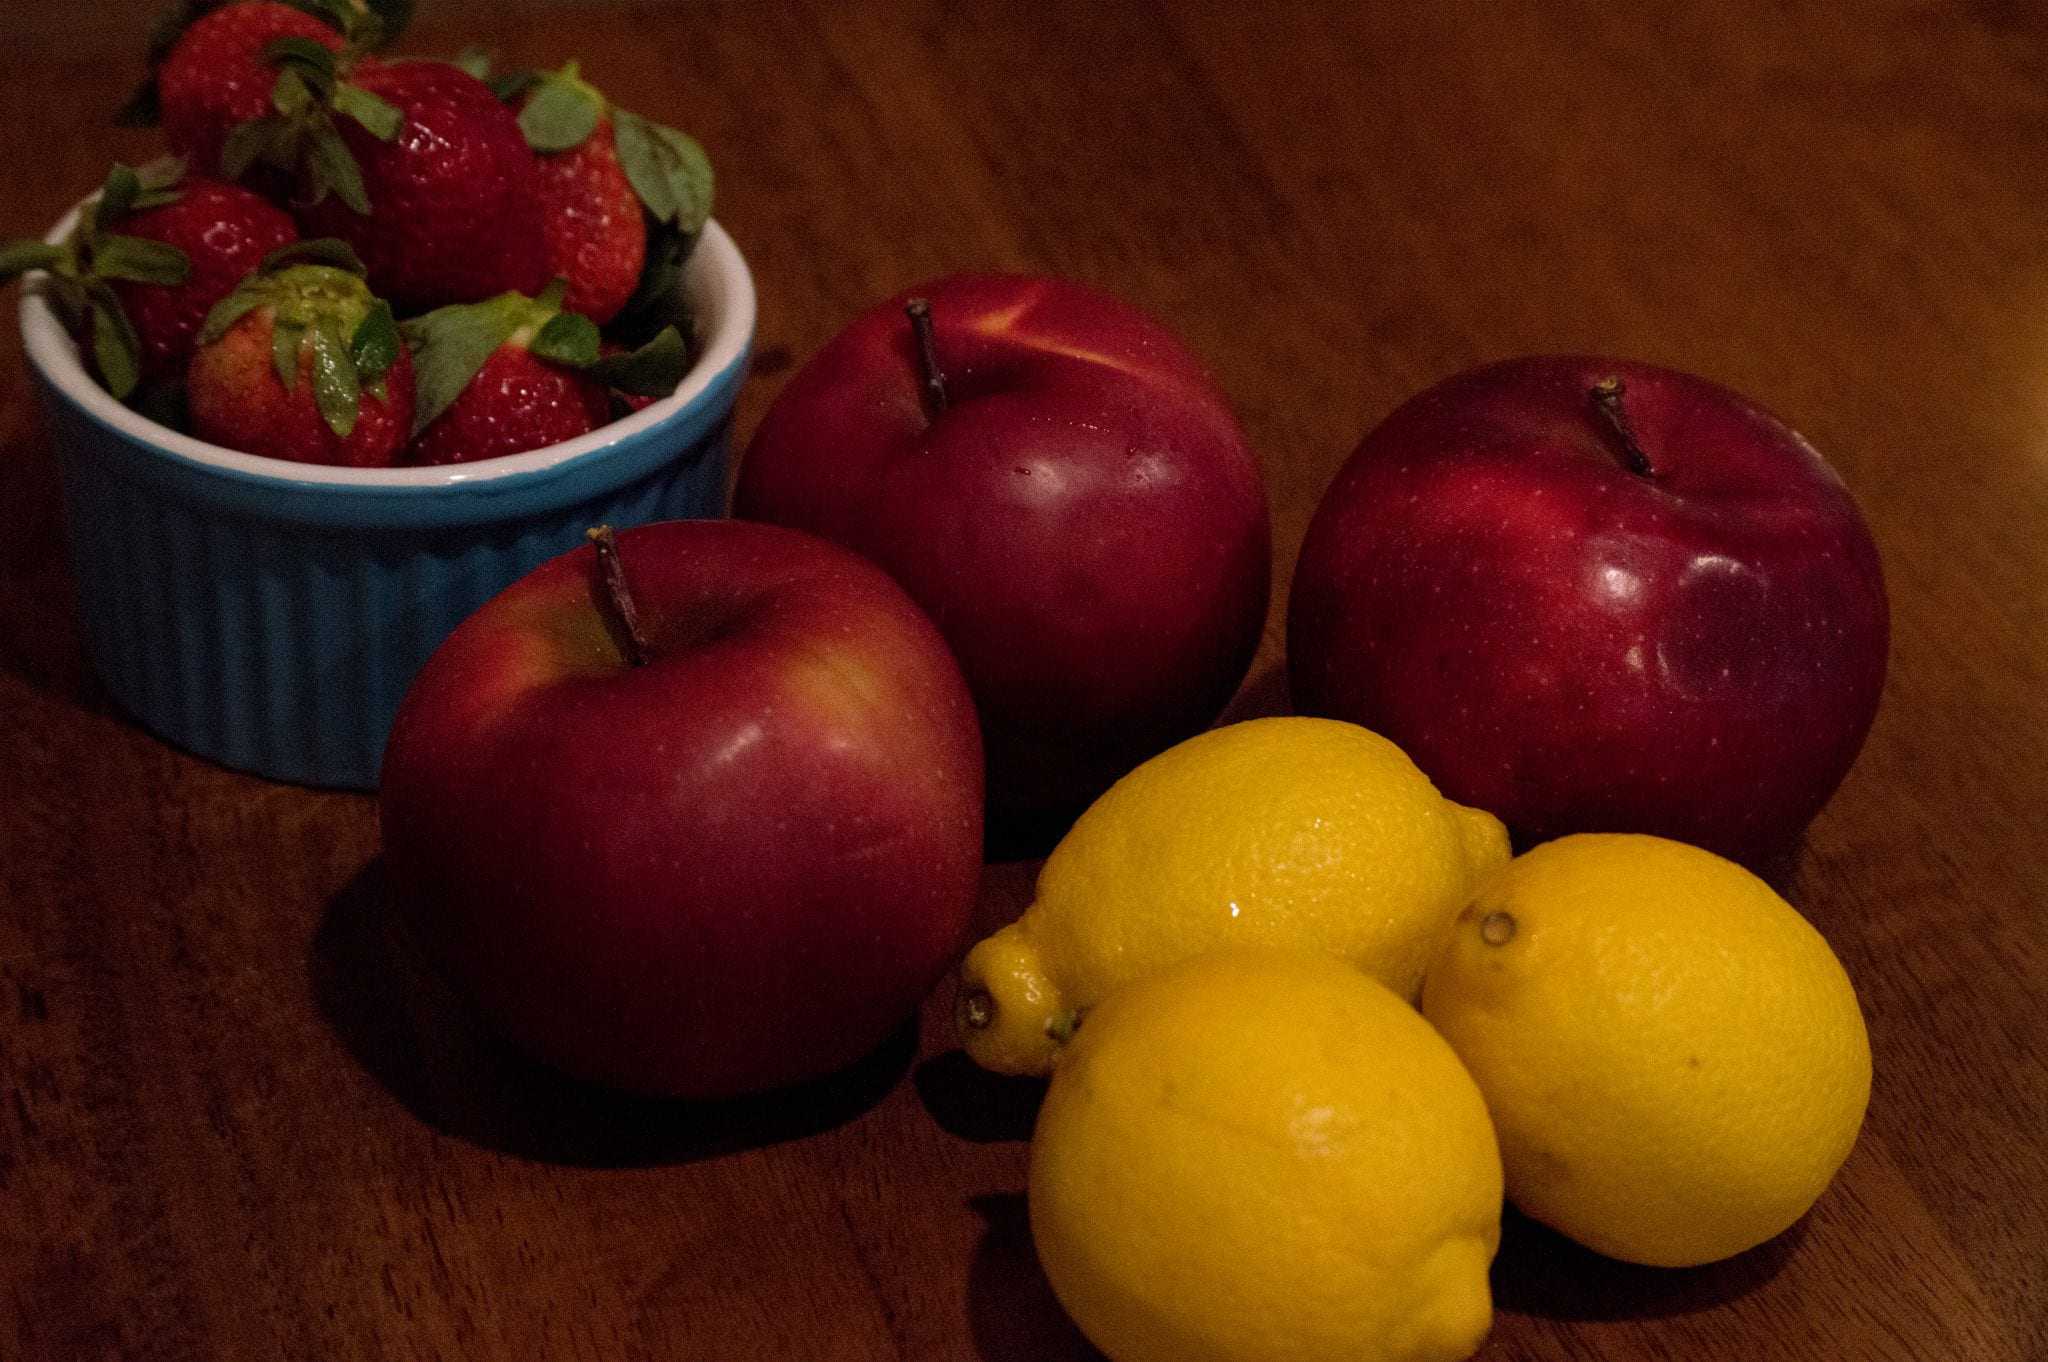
{"x": 515, "y": 373}
{"x": 596, "y": 236}
{"x": 517, "y": 401}
{"x": 453, "y": 205}
{"x": 302, "y": 362}
{"x": 148, "y": 261}
{"x": 225, "y": 231}
{"x": 606, "y": 175}
{"x": 217, "y": 76}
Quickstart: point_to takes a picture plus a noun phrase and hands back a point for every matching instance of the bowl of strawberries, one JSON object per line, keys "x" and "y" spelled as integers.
{"x": 377, "y": 337}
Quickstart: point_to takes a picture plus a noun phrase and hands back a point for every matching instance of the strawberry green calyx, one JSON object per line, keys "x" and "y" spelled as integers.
{"x": 370, "y": 25}
{"x": 363, "y": 25}
{"x": 652, "y": 370}
{"x": 323, "y": 318}
{"x": 19, "y": 257}
{"x": 132, "y": 189}
{"x": 626, "y": 198}
{"x": 299, "y": 136}
{"x": 562, "y": 111}
{"x": 450, "y": 346}
{"x": 84, "y": 266}
{"x": 667, "y": 169}
{"x": 660, "y": 301}
{"x": 94, "y": 252}
{"x": 672, "y": 176}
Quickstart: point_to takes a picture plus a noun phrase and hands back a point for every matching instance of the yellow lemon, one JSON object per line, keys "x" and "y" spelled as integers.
{"x": 1673, "y": 1056}
{"x": 1293, "y": 832}
{"x": 1263, "y": 1156}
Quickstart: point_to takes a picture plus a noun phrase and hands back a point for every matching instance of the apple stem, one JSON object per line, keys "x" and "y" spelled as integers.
{"x": 919, "y": 310}
{"x": 1606, "y": 394}
{"x": 623, "y": 613}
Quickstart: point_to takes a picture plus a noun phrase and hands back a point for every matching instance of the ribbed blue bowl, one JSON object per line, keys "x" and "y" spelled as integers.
{"x": 270, "y": 615}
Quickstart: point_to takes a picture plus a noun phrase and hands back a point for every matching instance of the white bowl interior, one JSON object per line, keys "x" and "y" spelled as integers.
{"x": 721, "y": 294}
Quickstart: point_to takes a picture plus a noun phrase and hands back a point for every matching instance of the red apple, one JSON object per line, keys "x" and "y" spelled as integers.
{"x": 733, "y": 861}
{"x": 1587, "y": 594}
{"x": 1053, "y": 477}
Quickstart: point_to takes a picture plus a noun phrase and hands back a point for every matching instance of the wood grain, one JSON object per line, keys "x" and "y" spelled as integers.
{"x": 240, "y": 1121}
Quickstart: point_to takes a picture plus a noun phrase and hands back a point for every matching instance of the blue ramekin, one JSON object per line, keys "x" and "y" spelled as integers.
{"x": 269, "y": 615}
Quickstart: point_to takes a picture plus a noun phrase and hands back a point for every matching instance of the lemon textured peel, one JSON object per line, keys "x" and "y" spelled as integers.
{"x": 1291, "y": 832}
{"x": 1264, "y": 1156}
{"x": 1674, "y": 1057}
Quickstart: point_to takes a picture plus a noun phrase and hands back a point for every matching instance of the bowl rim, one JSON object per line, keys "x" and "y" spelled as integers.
{"x": 716, "y": 274}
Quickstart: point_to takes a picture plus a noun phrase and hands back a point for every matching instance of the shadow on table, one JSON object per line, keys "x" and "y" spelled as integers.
{"x": 416, "y": 1036}
{"x": 1015, "y": 1317}
{"x": 1025, "y": 836}
{"x": 1031, "y": 836}
{"x": 970, "y": 1103}
{"x": 1540, "y": 1272}
{"x": 1011, "y": 1311}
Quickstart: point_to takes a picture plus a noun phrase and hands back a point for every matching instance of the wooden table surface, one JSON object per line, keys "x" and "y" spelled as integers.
{"x": 239, "y": 1121}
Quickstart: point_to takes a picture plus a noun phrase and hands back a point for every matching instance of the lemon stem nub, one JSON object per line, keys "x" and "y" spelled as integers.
{"x": 1007, "y": 1011}
{"x": 1497, "y": 928}
{"x": 1061, "y": 1026}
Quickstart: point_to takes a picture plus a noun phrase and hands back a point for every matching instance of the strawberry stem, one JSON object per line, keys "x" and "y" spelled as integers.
{"x": 919, "y": 310}
{"x": 621, "y": 612}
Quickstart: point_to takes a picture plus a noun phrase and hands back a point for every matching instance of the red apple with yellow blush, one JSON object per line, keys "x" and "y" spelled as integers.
{"x": 1057, "y": 482}
{"x": 695, "y": 815}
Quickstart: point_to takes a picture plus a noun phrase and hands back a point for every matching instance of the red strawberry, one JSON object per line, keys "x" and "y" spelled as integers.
{"x": 517, "y": 401}
{"x": 149, "y": 261}
{"x": 596, "y": 237}
{"x": 605, "y": 173}
{"x": 303, "y": 363}
{"x": 517, "y": 373}
{"x": 596, "y": 231}
{"x": 217, "y": 77}
{"x": 225, "y": 232}
{"x": 454, "y": 203}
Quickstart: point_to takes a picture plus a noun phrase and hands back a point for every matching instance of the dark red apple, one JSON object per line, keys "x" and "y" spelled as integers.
{"x": 729, "y": 858}
{"x": 1586, "y": 594}
{"x": 1053, "y": 477}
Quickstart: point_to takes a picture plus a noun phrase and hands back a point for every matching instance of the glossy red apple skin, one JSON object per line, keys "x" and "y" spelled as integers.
{"x": 737, "y": 867}
{"x": 1696, "y": 653}
{"x": 1084, "y": 520}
